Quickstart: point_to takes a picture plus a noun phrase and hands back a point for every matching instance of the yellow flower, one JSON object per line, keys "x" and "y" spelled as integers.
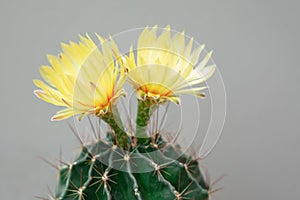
{"x": 82, "y": 78}
{"x": 164, "y": 67}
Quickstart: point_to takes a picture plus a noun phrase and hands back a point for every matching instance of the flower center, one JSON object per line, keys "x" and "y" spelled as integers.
{"x": 155, "y": 89}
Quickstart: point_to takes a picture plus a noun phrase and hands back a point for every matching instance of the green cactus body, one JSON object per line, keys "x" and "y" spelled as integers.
{"x": 103, "y": 171}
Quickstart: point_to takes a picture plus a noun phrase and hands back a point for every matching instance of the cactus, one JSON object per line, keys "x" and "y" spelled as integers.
{"x": 170, "y": 175}
{"x": 121, "y": 165}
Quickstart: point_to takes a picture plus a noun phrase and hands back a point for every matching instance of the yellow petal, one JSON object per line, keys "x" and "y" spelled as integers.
{"x": 63, "y": 114}
{"x": 47, "y": 97}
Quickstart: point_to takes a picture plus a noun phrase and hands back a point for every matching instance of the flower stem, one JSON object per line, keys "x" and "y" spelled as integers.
{"x": 114, "y": 121}
{"x": 142, "y": 119}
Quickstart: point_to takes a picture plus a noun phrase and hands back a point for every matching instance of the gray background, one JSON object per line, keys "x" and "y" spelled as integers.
{"x": 256, "y": 47}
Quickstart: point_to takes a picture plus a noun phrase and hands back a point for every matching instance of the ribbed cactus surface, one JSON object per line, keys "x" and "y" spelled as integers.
{"x": 152, "y": 170}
